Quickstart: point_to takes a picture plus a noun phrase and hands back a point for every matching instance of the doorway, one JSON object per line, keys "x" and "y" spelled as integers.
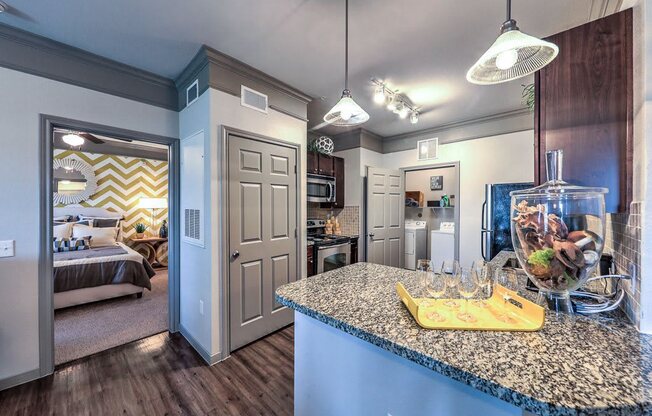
{"x": 432, "y": 213}
{"x": 263, "y": 200}
{"x": 60, "y": 196}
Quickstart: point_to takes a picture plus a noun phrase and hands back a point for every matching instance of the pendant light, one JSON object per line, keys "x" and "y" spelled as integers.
{"x": 346, "y": 112}
{"x": 513, "y": 55}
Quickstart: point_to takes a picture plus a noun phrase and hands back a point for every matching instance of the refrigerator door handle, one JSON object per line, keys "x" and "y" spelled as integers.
{"x": 483, "y": 232}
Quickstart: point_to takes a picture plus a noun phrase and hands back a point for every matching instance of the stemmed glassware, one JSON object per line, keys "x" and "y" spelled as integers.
{"x": 450, "y": 271}
{"x": 506, "y": 277}
{"x": 483, "y": 275}
{"x": 467, "y": 286}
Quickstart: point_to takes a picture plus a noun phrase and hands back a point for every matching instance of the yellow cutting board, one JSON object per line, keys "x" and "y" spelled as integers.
{"x": 504, "y": 311}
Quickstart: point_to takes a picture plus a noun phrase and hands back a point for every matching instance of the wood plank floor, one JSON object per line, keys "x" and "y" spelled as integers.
{"x": 163, "y": 375}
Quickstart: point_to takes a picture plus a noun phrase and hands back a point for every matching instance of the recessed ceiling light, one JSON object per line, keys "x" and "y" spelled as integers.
{"x": 73, "y": 139}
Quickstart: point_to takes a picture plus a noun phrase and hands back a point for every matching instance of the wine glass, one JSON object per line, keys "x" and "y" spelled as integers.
{"x": 450, "y": 271}
{"x": 507, "y": 278}
{"x": 435, "y": 286}
{"x": 483, "y": 275}
{"x": 467, "y": 287}
{"x": 423, "y": 266}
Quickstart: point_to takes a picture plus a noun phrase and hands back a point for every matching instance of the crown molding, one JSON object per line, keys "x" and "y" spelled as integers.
{"x": 217, "y": 70}
{"x": 37, "y": 55}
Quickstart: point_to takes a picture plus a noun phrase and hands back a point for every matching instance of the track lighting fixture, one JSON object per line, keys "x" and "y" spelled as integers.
{"x": 395, "y": 102}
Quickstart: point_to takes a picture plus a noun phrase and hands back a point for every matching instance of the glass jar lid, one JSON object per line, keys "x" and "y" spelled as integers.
{"x": 555, "y": 187}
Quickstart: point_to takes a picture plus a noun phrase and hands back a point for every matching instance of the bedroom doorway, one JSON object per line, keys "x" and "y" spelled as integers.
{"x": 110, "y": 207}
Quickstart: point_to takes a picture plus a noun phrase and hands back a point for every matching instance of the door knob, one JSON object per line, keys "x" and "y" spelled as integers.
{"x": 371, "y": 235}
{"x": 235, "y": 254}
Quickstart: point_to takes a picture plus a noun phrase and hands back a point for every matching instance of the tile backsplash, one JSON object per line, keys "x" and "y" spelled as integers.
{"x": 623, "y": 242}
{"x": 349, "y": 217}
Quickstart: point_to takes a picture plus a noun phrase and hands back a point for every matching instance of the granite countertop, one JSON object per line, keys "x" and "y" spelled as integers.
{"x": 580, "y": 365}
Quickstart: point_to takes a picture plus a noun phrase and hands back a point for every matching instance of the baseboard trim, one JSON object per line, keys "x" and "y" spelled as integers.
{"x": 20, "y": 379}
{"x": 205, "y": 355}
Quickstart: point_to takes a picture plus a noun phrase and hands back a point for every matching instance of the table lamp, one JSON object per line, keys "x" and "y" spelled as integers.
{"x": 153, "y": 204}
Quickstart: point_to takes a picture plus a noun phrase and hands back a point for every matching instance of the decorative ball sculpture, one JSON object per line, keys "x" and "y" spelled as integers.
{"x": 324, "y": 144}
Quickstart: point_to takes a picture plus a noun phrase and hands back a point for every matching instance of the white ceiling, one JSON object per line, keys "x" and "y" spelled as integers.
{"x": 421, "y": 47}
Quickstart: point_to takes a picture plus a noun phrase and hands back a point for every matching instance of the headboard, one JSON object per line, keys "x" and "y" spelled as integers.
{"x": 76, "y": 210}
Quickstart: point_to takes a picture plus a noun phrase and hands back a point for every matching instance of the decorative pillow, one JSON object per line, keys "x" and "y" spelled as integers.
{"x": 99, "y": 236}
{"x": 88, "y": 223}
{"x": 63, "y": 218}
{"x": 60, "y": 245}
{"x": 62, "y": 230}
{"x": 106, "y": 222}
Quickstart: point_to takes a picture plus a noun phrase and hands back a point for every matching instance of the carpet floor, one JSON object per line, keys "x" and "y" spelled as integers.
{"x": 86, "y": 329}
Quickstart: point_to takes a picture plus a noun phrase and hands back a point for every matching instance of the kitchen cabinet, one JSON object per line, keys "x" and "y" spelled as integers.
{"x": 337, "y": 171}
{"x": 326, "y": 166}
{"x": 310, "y": 261}
{"x": 354, "y": 250}
{"x": 584, "y": 106}
{"x": 313, "y": 163}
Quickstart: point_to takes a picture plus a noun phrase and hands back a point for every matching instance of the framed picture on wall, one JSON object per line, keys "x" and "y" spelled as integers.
{"x": 436, "y": 183}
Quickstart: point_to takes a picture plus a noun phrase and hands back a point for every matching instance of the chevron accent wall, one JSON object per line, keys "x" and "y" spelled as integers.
{"x": 121, "y": 182}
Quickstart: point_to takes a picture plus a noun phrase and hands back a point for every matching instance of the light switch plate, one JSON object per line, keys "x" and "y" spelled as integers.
{"x": 7, "y": 248}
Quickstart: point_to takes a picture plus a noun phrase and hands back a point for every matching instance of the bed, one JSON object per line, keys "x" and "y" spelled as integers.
{"x": 101, "y": 272}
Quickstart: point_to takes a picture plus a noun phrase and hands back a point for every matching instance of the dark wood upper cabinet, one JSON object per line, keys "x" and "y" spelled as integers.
{"x": 313, "y": 163}
{"x": 326, "y": 165}
{"x": 584, "y": 105}
{"x": 338, "y": 170}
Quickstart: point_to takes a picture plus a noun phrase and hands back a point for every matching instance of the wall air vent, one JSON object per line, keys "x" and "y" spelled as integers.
{"x": 192, "y": 224}
{"x": 192, "y": 93}
{"x": 428, "y": 149}
{"x": 253, "y": 99}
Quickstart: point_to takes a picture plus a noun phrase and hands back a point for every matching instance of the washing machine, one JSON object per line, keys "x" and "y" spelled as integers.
{"x": 442, "y": 244}
{"x": 416, "y": 243}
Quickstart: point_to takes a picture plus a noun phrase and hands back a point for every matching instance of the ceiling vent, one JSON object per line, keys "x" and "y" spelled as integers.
{"x": 192, "y": 93}
{"x": 253, "y": 99}
{"x": 428, "y": 149}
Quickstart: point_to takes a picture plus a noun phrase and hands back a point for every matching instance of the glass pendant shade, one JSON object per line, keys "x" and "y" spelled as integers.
{"x": 346, "y": 112}
{"x": 513, "y": 55}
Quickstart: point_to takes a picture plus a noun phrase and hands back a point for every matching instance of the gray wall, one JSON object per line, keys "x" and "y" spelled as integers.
{"x": 24, "y": 98}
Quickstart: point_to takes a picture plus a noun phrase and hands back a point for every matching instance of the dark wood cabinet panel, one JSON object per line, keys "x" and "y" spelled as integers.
{"x": 338, "y": 170}
{"x": 313, "y": 163}
{"x": 354, "y": 250}
{"x": 326, "y": 165}
{"x": 310, "y": 263}
{"x": 584, "y": 106}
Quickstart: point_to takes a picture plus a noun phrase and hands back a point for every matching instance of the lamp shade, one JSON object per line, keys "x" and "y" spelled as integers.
{"x": 513, "y": 55}
{"x": 153, "y": 203}
{"x": 346, "y": 112}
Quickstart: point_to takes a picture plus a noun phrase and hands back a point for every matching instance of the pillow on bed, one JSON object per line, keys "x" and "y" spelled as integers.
{"x": 99, "y": 236}
{"x": 60, "y": 245}
{"x": 62, "y": 230}
{"x": 63, "y": 218}
{"x": 106, "y": 222}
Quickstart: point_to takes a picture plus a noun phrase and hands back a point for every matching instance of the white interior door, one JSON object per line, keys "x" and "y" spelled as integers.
{"x": 385, "y": 216}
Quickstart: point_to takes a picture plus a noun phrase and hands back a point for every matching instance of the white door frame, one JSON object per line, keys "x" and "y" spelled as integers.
{"x": 456, "y": 165}
{"x": 45, "y": 283}
{"x": 225, "y": 253}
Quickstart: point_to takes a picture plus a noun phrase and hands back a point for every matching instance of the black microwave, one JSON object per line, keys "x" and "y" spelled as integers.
{"x": 321, "y": 188}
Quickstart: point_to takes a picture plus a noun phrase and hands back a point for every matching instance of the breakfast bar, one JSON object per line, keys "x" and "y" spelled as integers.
{"x": 359, "y": 351}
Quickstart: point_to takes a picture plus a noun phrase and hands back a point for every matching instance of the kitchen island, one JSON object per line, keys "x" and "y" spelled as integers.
{"x": 358, "y": 351}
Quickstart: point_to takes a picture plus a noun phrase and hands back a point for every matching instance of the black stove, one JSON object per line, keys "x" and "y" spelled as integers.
{"x": 323, "y": 240}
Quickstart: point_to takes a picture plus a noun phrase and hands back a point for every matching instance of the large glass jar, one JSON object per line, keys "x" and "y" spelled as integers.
{"x": 558, "y": 233}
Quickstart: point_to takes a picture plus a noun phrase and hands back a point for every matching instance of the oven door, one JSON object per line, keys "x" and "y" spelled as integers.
{"x": 333, "y": 257}
{"x": 321, "y": 189}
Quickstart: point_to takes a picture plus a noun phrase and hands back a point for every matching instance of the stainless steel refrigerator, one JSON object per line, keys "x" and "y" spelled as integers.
{"x": 496, "y": 222}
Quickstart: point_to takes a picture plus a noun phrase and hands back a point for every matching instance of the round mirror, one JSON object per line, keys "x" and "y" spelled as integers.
{"x": 73, "y": 181}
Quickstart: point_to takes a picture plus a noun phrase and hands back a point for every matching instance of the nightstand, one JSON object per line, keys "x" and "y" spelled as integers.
{"x": 154, "y": 249}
